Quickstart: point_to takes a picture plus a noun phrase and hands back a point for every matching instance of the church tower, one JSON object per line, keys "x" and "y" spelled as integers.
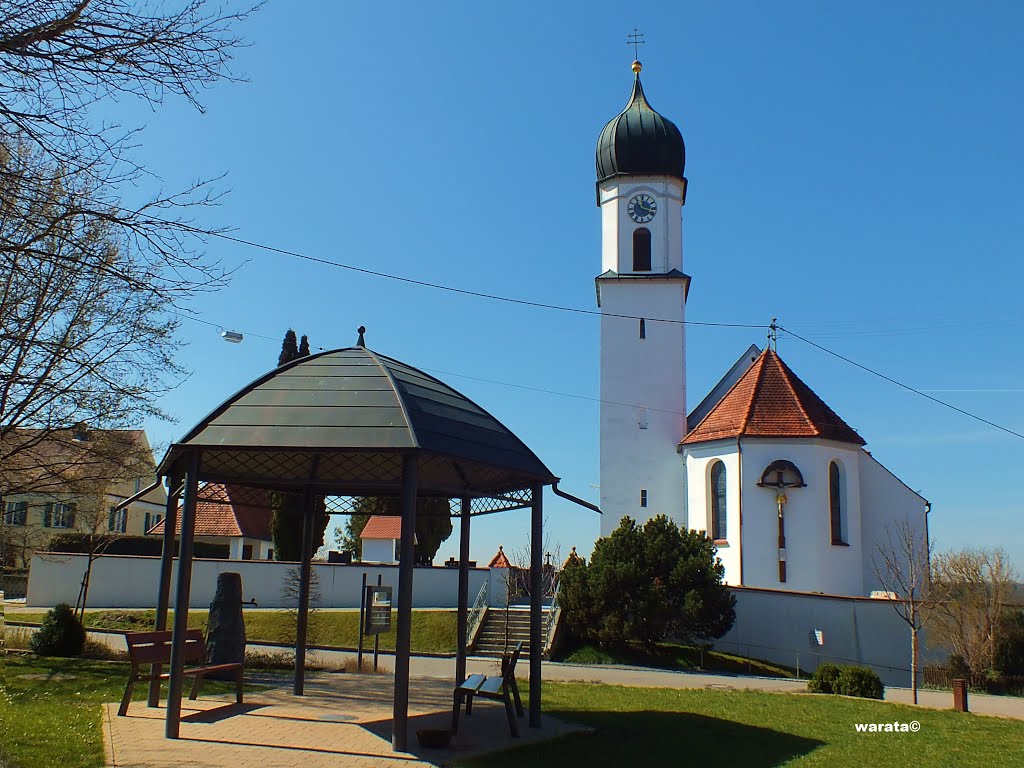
{"x": 641, "y": 293}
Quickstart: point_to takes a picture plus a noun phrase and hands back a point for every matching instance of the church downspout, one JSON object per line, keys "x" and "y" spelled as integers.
{"x": 739, "y": 456}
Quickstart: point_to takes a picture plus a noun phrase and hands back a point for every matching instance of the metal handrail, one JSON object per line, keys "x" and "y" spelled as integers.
{"x": 554, "y": 611}
{"x": 476, "y": 613}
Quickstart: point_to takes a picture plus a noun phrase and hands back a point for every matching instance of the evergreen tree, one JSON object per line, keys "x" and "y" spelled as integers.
{"x": 286, "y": 523}
{"x": 647, "y": 584}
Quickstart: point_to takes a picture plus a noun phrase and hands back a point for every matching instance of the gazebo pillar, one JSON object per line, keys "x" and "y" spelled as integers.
{"x": 305, "y": 571}
{"x": 181, "y": 598}
{"x": 463, "y": 613}
{"x": 163, "y": 599}
{"x": 536, "y": 600}
{"x": 400, "y": 717}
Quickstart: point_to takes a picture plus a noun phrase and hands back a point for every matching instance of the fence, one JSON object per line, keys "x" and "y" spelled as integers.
{"x": 14, "y": 584}
{"x": 942, "y": 677}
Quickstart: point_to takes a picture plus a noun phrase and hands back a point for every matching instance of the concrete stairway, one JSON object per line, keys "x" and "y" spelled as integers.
{"x": 491, "y": 639}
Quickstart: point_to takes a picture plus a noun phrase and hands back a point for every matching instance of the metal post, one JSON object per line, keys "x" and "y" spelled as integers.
{"x": 163, "y": 599}
{"x": 462, "y": 640}
{"x": 536, "y": 601}
{"x": 399, "y": 722}
{"x": 362, "y": 621}
{"x": 305, "y": 570}
{"x": 376, "y": 638}
{"x": 181, "y": 599}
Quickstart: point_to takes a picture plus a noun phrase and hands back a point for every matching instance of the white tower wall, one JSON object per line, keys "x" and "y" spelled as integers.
{"x": 643, "y": 380}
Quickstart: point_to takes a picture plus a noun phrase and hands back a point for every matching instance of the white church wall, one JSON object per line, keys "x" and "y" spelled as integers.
{"x": 885, "y": 503}
{"x": 699, "y": 460}
{"x": 643, "y": 386}
{"x": 132, "y": 582}
{"x": 813, "y": 563}
{"x": 781, "y": 627}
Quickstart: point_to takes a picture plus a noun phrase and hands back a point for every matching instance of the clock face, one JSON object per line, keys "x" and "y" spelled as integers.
{"x": 642, "y": 208}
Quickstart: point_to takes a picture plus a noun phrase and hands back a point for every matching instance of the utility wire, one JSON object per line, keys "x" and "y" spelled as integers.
{"x": 900, "y": 384}
{"x": 452, "y": 289}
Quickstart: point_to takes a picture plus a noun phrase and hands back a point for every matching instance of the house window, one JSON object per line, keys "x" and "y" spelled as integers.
{"x": 117, "y": 520}
{"x": 835, "y": 503}
{"x": 642, "y": 250}
{"x": 58, "y": 515}
{"x": 719, "y": 531}
{"x": 643, "y": 328}
{"x": 15, "y": 513}
{"x": 643, "y": 497}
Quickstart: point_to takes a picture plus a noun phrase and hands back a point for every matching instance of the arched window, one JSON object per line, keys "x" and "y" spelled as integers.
{"x": 642, "y": 250}
{"x": 719, "y": 530}
{"x": 835, "y": 502}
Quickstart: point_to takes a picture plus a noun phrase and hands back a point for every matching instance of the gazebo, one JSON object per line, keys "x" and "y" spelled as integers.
{"x": 332, "y": 428}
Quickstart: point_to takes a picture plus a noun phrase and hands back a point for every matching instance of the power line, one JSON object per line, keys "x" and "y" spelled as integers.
{"x": 900, "y": 384}
{"x": 452, "y": 289}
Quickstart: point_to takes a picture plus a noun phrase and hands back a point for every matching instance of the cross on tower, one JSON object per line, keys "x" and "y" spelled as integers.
{"x": 635, "y": 39}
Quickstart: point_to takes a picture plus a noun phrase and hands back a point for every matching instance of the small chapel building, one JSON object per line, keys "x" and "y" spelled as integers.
{"x": 781, "y": 483}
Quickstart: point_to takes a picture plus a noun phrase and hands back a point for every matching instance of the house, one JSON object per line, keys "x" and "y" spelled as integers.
{"x": 775, "y": 477}
{"x": 69, "y": 481}
{"x": 380, "y": 539}
{"x": 238, "y": 517}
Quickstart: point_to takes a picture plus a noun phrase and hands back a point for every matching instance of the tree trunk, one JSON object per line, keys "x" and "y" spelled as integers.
{"x": 914, "y": 661}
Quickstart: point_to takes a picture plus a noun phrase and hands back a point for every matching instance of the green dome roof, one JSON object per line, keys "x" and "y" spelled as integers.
{"x": 639, "y": 141}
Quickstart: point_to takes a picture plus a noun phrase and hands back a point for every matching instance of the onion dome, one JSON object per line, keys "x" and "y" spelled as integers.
{"x": 639, "y": 141}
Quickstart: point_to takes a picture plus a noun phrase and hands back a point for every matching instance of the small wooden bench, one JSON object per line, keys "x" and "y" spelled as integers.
{"x": 154, "y": 648}
{"x": 501, "y": 688}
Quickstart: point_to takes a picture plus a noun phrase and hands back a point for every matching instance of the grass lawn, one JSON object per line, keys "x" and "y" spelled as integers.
{"x": 432, "y": 631}
{"x": 52, "y": 719}
{"x": 675, "y": 656}
{"x": 660, "y": 727}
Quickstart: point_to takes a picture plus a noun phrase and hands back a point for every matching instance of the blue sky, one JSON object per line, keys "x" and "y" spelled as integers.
{"x": 854, "y": 170}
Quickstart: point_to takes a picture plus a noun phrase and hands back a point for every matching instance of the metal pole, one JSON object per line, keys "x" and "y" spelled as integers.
{"x": 376, "y": 637}
{"x": 181, "y": 599}
{"x": 399, "y": 722}
{"x": 362, "y": 619}
{"x": 163, "y": 599}
{"x": 305, "y": 570}
{"x": 462, "y": 640}
{"x": 536, "y": 601}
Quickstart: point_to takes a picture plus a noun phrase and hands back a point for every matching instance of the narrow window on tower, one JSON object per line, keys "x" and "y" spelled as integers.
{"x": 642, "y": 250}
{"x": 643, "y": 497}
{"x": 718, "y": 504}
{"x": 643, "y": 328}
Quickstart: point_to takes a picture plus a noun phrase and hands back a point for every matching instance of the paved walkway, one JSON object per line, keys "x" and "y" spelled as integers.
{"x": 344, "y": 720}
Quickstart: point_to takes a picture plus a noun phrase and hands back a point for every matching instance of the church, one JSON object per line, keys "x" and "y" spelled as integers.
{"x": 779, "y": 481}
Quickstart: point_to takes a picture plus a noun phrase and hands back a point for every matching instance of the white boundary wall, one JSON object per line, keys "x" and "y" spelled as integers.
{"x": 780, "y": 627}
{"x": 132, "y": 582}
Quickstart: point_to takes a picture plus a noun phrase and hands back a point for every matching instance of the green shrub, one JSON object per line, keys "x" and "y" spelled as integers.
{"x": 859, "y": 681}
{"x": 824, "y": 679}
{"x": 61, "y": 633}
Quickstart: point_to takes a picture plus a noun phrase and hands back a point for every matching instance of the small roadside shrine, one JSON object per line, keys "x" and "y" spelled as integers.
{"x": 333, "y": 427}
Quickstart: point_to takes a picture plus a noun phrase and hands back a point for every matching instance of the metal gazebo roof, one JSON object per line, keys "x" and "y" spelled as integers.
{"x": 340, "y": 421}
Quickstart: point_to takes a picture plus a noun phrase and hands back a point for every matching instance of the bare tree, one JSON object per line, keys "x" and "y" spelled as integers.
{"x": 902, "y": 568}
{"x": 91, "y": 285}
{"x": 977, "y": 584}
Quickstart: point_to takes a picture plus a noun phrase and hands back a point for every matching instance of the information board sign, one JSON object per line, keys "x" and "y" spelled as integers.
{"x": 377, "y": 619}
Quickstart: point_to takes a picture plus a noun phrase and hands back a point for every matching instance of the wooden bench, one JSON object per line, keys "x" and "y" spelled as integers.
{"x": 501, "y": 688}
{"x": 154, "y": 648}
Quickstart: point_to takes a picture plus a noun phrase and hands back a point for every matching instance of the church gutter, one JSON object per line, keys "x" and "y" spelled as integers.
{"x": 739, "y": 456}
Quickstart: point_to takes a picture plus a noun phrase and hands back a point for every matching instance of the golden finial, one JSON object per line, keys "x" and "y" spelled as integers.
{"x": 637, "y": 66}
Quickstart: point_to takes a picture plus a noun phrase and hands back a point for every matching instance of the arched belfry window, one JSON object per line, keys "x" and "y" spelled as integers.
{"x": 719, "y": 530}
{"x": 835, "y": 503}
{"x": 642, "y": 250}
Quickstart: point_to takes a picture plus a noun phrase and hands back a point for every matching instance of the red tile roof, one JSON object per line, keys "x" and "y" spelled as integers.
{"x": 382, "y": 527}
{"x": 769, "y": 400}
{"x": 226, "y": 510}
{"x": 499, "y": 560}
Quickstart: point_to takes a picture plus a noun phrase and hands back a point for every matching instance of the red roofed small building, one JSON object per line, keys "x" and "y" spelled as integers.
{"x": 499, "y": 560}
{"x": 380, "y": 539}
{"x": 239, "y": 517}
